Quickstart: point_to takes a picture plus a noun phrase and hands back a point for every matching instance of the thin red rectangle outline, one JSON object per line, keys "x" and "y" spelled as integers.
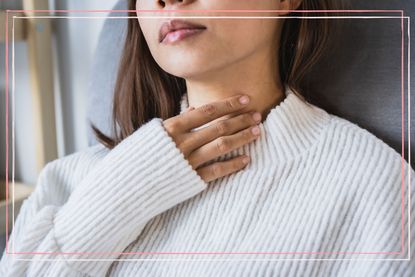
{"x": 199, "y": 11}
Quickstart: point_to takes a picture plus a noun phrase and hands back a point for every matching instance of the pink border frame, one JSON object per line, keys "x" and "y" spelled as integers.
{"x": 184, "y": 11}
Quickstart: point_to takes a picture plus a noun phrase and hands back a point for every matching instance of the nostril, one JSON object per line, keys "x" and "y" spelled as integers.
{"x": 162, "y": 3}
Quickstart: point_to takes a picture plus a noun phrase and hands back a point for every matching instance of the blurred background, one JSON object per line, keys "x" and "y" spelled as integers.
{"x": 73, "y": 42}
{"x": 65, "y": 70}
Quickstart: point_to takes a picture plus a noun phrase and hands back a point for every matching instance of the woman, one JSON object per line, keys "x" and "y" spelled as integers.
{"x": 188, "y": 186}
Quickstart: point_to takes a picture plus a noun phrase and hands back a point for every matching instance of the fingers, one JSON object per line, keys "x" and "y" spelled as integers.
{"x": 224, "y": 128}
{"x": 211, "y": 111}
{"x": 223, "y": 145}
{"x": 220, "y": 169}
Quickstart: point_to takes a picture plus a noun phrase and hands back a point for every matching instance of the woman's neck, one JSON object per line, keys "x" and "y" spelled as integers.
{"x": 257, "y": 76}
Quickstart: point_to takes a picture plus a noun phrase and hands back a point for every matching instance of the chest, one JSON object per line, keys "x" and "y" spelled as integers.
{"x": 253, "y": 215}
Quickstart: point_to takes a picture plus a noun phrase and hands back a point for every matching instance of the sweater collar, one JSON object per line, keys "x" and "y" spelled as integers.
{"x": 290, "y": 128}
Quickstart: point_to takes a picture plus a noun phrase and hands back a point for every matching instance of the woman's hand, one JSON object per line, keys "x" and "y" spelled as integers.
{"x": 217, "y": 139}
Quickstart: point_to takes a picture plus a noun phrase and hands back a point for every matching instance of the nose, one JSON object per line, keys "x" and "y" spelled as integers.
{"x": 168, "y": 3}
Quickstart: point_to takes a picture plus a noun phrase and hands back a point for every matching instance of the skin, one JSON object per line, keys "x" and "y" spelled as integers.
{"x": 231, "y": 58}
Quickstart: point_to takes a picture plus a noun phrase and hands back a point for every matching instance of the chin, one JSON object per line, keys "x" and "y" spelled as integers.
{"x": 186, "y": 70}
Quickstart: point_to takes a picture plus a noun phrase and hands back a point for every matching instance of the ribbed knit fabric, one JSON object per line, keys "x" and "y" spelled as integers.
{"x": 321, "y": 197}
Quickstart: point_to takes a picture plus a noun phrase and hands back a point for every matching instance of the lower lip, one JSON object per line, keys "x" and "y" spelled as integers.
{"x": 180, "y": 35}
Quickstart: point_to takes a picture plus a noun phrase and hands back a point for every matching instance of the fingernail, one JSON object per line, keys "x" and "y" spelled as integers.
{"x": 245, "y": 160}
{"x": 255, "y": 130}
{"x": 244, "y": 100}
{"x": 257, "y": 116}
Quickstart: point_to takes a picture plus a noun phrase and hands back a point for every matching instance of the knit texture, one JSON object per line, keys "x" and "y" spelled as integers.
{"x": 320, "y": 197}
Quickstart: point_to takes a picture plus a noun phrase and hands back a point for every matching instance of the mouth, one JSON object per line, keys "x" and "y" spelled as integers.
{"x": 176, "y": 30}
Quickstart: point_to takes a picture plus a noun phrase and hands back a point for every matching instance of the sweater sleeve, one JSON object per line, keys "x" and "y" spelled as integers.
{"x": 143, "y": 176}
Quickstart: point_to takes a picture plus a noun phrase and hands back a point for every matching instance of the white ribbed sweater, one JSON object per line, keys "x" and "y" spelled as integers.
{"x": 316, "y": 183}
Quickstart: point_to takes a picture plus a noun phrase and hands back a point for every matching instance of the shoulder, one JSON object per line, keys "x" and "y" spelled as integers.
{"x": 371, "y": 182}
{"x": 363, "y": 153}
{"x": 80, "y": 158}
{"x": 59, "y": 177}
{"x": 358, "y": 137}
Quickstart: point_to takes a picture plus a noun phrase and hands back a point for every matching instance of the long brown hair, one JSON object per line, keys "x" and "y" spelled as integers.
{"x": 144, "y": 91}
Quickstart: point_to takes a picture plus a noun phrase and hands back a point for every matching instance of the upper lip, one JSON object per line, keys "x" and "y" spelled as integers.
{"x": 173, "y": 25}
